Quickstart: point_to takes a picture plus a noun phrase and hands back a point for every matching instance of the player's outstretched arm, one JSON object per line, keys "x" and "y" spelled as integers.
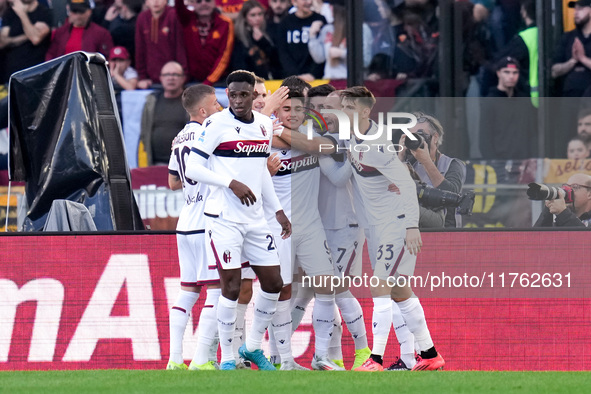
{"x": 337, "y": 174}
{"x": 197, "y": 170}
{"x": 314, "y": 146}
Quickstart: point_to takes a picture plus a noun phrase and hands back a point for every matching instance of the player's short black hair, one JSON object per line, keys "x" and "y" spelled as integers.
{"x": 241, "y": 76}
{"x": 194, "y": 94}
{"x": 296, "y": 83}
{"x": 360, "y": 94}
{"x": 321, "y": 90}
{"x": 297, "y": 94}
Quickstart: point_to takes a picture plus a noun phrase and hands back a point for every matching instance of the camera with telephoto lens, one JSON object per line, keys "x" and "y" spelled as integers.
{"x": 433, "y": 198}
{"x": 539, "y": 191}
{"x": 422, "y": 137}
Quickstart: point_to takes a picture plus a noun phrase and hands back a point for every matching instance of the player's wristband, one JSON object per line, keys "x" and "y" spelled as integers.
{"x": 411, "y": 228}
{"x": 278, "y": 132}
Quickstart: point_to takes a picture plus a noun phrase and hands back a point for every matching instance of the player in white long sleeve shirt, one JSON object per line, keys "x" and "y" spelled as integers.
{"x": 200, "y": 102}
{"x": 235, "y": 146}
{"x": 394, "y": 237}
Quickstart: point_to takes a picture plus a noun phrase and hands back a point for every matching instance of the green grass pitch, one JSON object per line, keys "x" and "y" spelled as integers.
{"x": 123, "y": 381}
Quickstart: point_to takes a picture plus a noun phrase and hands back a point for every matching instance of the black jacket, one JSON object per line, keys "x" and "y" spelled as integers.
{"x": 566, "y": 218}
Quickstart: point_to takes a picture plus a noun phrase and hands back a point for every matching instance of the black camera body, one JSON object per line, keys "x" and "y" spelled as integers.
{"x": 433, "y": 198}
{"x": 422, "y": 138}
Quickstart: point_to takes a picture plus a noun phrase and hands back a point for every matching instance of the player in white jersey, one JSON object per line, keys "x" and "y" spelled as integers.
{"x": 199, "y": 101}
{"x": 235, "y": 146}
{"x": 296, "y": 184}
{"x": 343, "y": 233}
{"x": 394, "y": 237}
{"x": 266, "y": 103}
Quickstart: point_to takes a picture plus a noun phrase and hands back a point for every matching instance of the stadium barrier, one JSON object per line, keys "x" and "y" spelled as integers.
{"x": 101, "y": 301}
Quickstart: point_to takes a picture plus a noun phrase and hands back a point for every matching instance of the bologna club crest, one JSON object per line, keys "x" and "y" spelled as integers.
{"x": 263, "y": 131}
{"x": 227, "y": 257}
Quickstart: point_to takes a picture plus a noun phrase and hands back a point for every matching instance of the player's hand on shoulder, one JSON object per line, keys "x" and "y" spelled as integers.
{"x": 243, "y": 192}
{"x": 285, "y": 224}
{"x": 413, "y": 241}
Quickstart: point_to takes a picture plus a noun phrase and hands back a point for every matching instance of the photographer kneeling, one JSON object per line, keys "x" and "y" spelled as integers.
{"x": 556, "y": 213}
{"x": 433, "y": 168}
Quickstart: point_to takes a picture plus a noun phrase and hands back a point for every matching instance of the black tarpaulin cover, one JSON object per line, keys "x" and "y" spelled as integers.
{"x": 66, "y": 141}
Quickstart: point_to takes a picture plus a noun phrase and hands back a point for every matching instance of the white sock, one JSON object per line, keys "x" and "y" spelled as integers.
{"x": 239, "y": 330}
{"x": 178, "y": 318}
{"x": 382, "y": 319}
{"x": 226, "y": 324}
{"x": 208, "y": 327}
{"x": 265, "y": 305}
{"x": 323, "y": 322}
{"x": 299, "y": 305}
{"x": 281, "y": 328}
{"x": 413, "y": 314}
{"x": 213, "y": 349}
{"x": 353, "y": 317}
{"x": 335, "y": 350}
{"x": 273, "y": 351}
{"x": 404, "y": 336}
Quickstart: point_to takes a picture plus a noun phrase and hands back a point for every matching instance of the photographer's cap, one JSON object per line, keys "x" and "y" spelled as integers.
{"x": 508, "y": 62}
{"x": 79, "y": 5}
{"x": 580, "y": 3}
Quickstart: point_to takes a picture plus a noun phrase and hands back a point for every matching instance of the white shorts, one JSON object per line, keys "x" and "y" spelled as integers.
{"x": 346, "y": 248}
{"x": 311, "y": 252}
{"x": 196, "y": 269}
{"x": 231, "y": 244}
{"x": 391, "y": 256}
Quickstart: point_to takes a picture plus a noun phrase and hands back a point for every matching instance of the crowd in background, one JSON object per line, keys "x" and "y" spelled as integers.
{"x": 307, "y": 38}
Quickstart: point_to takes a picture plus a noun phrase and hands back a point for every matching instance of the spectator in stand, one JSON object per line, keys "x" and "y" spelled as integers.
{"x": 123, "y": 75}
{"x": 231, "y": 8}
{"x": 572, "y": 56}
{"x": 253, "y": 49}
{"x": 163, "y": 117}
{"x": 79, "y": 33}
{"x": 24, "y": 35}
{"x": 209, "y": 40}
{"x": 328, "y": 43}
{"x": 524, "y": 48}
{"x": 121, "y": 20}
{"x": 577, "y": 148}
{"x": 292, "y": 45}
{"x": 584, "y": 123}
{"x": 506, "y": 122}
{"x": 278, "y": 9}
{"x": 158, "y": 40}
